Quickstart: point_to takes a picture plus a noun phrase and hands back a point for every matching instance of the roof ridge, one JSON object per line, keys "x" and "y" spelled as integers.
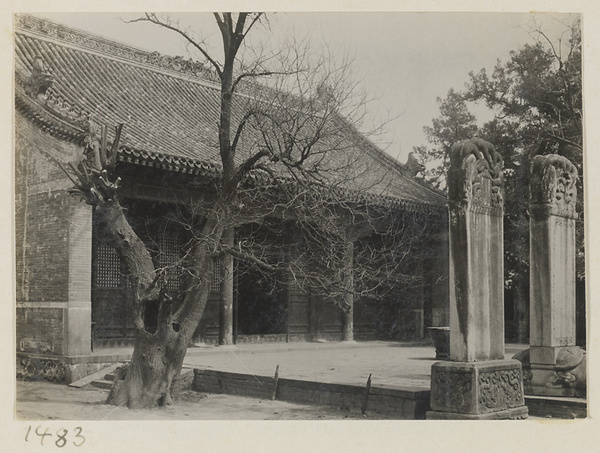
{"x": 152, "y": 141}
{"x": 384, "y": 158}
{"x": 94, "y": 43}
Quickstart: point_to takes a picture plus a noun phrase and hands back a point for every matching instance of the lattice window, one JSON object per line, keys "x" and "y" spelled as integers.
{"x": 216, "y": 277}
{"x": 168, "y": 257}
{"x": 108, "y": 266}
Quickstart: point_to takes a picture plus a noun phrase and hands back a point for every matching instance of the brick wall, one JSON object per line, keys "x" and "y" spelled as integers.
{"x": 40, "y": 330}
{"x": 46, "y": 248}
{"x": 53, "y": 247}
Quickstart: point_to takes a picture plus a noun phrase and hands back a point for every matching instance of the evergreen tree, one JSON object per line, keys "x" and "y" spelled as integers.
{"x": 536, "y": 100}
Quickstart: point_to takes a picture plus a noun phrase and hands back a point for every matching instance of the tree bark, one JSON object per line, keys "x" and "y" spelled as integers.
{"x": 159, "y": 353}
{"x": 156, "y": 361}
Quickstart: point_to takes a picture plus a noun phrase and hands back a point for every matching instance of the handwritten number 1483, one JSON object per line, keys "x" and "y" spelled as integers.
{"x": 62, "y": 436}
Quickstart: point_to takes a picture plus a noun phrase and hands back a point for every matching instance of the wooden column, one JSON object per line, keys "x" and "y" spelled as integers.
{"x": 226, "y": 305}
{"x": 348, "y": 301}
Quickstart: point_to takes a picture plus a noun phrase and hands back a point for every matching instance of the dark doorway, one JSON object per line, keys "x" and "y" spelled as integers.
{"x": 261, "y": 304}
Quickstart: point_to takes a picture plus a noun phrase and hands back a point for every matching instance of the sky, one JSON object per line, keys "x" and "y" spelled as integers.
{"x": 404, "y": 61}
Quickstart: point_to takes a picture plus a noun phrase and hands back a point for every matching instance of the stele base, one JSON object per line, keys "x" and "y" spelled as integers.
{"x": 555, "y": 371}
{"x": 548, "y": 381}
{"x": 490, "y": 390}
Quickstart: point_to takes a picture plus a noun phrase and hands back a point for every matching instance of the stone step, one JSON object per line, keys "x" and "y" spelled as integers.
{"x": 94, "y": 376}
{"x": 187, "y": 375}
{"x": 556, "y": 407}
{"x": 103, "y": 384}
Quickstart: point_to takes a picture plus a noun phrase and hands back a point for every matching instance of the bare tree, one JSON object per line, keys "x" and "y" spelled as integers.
{"x": 289, "y": 169}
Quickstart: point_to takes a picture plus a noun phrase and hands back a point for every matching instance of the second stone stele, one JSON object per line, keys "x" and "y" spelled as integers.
{"x": 477, "y": 383}
{"x": 554, "y": 365}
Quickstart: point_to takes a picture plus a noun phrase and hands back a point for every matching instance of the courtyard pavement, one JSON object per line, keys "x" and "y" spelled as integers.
{"x": 389, "y": 363}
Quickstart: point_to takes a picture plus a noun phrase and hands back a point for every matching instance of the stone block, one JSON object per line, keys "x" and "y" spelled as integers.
{"x": 477, "y": 390}
{"x": 40, "y": 329}
{"x": 77, "y": 371}
{"x": 545, "y": 355}
{"x": 397, "y": 402}
{"x": 78, "y": 331}
{"x": 547, "y": 381}
{"x": 565, "y": 408}
{"x": 511, "y": 414}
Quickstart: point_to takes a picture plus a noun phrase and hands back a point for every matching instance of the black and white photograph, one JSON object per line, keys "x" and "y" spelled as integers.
{"x": 345, "y": 219}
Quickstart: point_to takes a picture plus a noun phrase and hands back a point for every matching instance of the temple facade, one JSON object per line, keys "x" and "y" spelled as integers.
{"x": 72, "y": 289}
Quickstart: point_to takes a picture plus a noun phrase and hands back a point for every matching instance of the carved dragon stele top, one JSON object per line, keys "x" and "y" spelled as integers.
{"x": 475, "y": 177}
{"x": 553, "y": 186}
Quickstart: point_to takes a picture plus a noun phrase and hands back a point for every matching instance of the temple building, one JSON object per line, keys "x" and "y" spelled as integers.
{"x": 71, "y": 285}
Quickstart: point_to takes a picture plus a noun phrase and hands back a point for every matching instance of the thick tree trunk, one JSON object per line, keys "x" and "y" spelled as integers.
{"x": 161, "y": 345}
{"x": 135, "y": 255}
{"x": 156, "y": 361}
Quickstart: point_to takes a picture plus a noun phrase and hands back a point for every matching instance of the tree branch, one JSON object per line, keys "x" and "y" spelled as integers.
{"x": 257, "y": 74}
{"x": 240, "y": 129}
{"x": 152, "y": 18}
{"x": 244, "y": 168}
{"x": 256, "y": 19}
{"x": 251, "y": 259}
{"x": 239, "y": 27}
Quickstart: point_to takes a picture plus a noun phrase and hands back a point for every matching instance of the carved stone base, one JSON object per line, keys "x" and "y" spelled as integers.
{"x": 565, "y": 375}
{"x": 519, "y": 413}
{"x": 489, "y": 390}
{"x": 549, "y": 382}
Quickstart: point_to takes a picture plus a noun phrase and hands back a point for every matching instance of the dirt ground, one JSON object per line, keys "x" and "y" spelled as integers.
{"x": 389, "y": 363}
{"x": 48, "y": 401}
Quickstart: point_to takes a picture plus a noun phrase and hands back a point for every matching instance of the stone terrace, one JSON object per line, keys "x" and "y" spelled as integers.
{"x": 398, "y": 364}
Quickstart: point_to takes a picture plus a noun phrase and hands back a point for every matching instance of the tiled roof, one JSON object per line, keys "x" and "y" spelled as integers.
{"x": 169, "y": 106}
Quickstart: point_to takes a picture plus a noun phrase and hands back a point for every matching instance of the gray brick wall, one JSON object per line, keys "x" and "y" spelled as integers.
{"x": 53, "y": 247}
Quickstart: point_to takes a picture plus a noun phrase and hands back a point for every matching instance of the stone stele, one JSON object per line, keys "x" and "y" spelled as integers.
{"x": 477, "y": 383}
{"x": 554, "y": 365}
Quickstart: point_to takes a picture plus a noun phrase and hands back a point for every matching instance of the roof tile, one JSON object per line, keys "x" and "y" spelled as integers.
{"x": 169, "y": 106}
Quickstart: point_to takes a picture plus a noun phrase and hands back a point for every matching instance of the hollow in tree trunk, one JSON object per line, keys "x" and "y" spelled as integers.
{"x": 162, "y": 337}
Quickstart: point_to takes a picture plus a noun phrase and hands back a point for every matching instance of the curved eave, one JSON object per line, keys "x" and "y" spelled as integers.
{"x": 47, "y": 121}
{"x": 76, "y": 133}
{"x": 168, "y": 163}
{"x": 413, "y": 206}
{"x": 366, "y": 199}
